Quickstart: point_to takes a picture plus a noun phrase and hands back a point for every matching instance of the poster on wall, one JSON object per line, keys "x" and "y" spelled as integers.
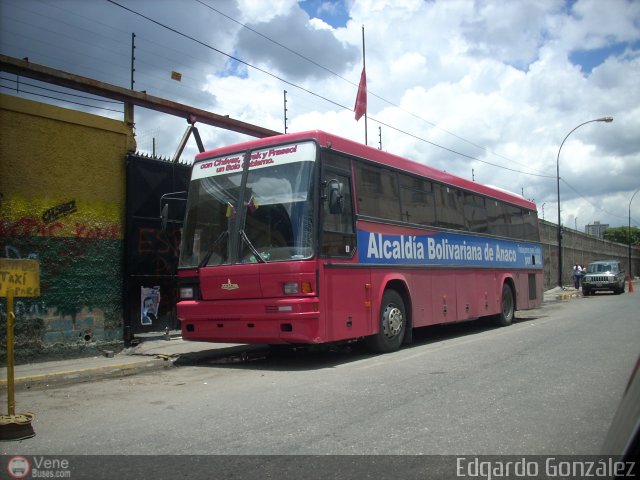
{"x": 149, "y": 301}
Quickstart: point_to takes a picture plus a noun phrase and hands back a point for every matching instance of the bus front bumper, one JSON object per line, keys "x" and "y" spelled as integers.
{"x": 276, "y": 321}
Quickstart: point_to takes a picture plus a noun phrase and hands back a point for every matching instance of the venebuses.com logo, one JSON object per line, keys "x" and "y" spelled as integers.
{"x": 18, "y": 467}
{"x": 38, "y": 467}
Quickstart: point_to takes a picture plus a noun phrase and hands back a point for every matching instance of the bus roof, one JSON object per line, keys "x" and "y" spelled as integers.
{"x": 351, "y": 147}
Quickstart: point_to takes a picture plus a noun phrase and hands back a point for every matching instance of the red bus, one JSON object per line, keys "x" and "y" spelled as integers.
{"x": 309, "y": 238}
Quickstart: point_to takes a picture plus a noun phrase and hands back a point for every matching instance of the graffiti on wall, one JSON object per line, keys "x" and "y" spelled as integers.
{"x": 30, "y": 226}
{"x": 62, "y": 199}
{"x": 59, "y": 211}
{"x": 158, "y": 249}
{"x": 80, "y": 257}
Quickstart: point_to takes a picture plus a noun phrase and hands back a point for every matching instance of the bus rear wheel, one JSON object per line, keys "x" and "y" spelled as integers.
{"x": 507, "y": 307}
{"x": 393, "y": 322}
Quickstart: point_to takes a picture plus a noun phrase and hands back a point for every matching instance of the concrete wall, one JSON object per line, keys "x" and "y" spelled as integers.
{"x": 62, "y": 201}
{"x": 580, "y": 248}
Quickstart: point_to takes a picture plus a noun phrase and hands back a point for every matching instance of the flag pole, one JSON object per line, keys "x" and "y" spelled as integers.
{"x": 364, "y": 67}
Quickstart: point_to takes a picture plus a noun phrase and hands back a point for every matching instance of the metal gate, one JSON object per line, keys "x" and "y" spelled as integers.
{"x": 151, "y": 252}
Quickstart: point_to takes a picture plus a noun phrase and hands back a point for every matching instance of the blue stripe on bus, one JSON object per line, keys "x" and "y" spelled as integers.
{"x": 447, "y": 249}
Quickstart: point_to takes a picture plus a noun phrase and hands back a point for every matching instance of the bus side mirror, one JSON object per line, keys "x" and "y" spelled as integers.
{"x": 165, "y": 199}
{"x": 336, "y": 200}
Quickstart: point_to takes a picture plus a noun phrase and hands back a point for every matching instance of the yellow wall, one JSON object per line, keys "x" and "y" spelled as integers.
{"x": 62, "y": 201}
{"x": 51, "y": 156}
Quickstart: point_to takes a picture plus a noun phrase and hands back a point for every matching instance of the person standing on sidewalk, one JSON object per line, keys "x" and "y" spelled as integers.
{"x": 577, "y": 275}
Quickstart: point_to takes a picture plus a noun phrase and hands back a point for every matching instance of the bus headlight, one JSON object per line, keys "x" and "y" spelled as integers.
{"x": 186, "y": 293}
{"x": 290, "y": 288}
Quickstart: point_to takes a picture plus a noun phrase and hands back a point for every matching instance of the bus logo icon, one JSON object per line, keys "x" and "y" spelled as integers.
{"x": 229, "y": 285}
{"x": 18, "y": 467}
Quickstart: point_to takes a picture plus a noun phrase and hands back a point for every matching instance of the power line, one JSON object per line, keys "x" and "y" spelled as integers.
{"x": 48, "y": 57}
{"x": 589, "y": 202}
{"x": 139, "y": 47}
{"x": 19, "y": 33}
{"x": 277, "y": 43}
{"x": 177, "y": 32}
{"x": 68, "y": 52}
{"x": 20, "y": 82}
{"x": 61, "y": 99}
{"x": 243, "y": 62}
{"x": 201, "y": 2}
{"x": 116, "y": 39}
{"x": 93, "y": 19}
{"x": 47, "y": 39}
{"x": 470, "y": 157}
{"x": 307, "y": 90}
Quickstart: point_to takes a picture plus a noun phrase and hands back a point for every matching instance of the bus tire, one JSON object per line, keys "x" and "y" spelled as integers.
{"x": 393, "y": 322}
{"x": 507, "y": 307}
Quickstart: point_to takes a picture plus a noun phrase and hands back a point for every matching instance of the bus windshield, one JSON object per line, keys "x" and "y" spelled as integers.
{"x": 273, "y": 221}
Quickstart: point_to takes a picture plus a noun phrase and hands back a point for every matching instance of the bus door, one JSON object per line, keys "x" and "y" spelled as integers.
{"x": 345, "y": 288}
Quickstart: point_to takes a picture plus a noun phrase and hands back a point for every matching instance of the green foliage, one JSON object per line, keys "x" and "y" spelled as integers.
{"x": 621, "y": 235}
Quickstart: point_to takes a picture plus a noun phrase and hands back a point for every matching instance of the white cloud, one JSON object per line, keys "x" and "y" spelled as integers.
{"x": 257, "y": 11}
{"x": 492, "y": 80}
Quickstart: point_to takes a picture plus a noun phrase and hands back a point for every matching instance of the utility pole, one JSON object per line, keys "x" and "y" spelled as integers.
{"x": 285, "y": 111}
{"x": 128, "y": 107}
{"x": 133, "y": 58}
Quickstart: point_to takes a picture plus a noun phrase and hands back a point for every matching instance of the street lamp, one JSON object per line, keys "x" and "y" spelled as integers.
{"x": 603, "y": 119}
{"x": 630, "y": 277}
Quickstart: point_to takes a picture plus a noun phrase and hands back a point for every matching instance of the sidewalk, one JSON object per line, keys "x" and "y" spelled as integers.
{"x": 153, "y": 353}
{"x": 563, "y": 293}
{"x": 570, "y": 291}
{"x": 149, "y": 355}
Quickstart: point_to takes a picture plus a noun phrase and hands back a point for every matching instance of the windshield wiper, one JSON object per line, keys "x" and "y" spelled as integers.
{"x": 251, "y": 247}
{"x": 207, "y": 256}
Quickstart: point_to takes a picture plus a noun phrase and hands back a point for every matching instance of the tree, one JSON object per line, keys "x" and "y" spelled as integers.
{"x": 621, "y": 235}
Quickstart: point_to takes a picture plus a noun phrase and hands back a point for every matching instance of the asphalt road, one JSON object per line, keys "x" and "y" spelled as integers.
{"x": 549, "y": 384}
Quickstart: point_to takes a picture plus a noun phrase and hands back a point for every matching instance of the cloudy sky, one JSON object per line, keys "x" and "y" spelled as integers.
{"x": 487, "y": 89}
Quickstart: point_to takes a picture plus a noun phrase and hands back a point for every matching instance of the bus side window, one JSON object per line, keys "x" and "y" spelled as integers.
{"x": 338, "y": 236}
{"x": 475, "y": 213}
{"x": 377, "y": 189}
{"x": 418, "y": 205}
{"x": 449, "y": 207}
{"x": 496, "y": 218}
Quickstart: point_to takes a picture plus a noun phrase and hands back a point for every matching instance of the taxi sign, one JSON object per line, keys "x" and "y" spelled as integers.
{"x": 20, "y": 276}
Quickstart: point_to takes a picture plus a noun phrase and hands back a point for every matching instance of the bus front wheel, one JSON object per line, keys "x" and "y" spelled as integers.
{"x": 507, "y": 307}
{"x": 393, "y": 322}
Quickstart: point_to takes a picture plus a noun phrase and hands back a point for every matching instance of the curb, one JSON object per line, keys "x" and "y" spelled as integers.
{"x": 124, "y": 368}
{"x": 567, "y": 295}
{"x": 88, "y": 374}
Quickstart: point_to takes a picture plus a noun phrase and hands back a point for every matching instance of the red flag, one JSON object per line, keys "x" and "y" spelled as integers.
{"x": 361, "y": 98}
